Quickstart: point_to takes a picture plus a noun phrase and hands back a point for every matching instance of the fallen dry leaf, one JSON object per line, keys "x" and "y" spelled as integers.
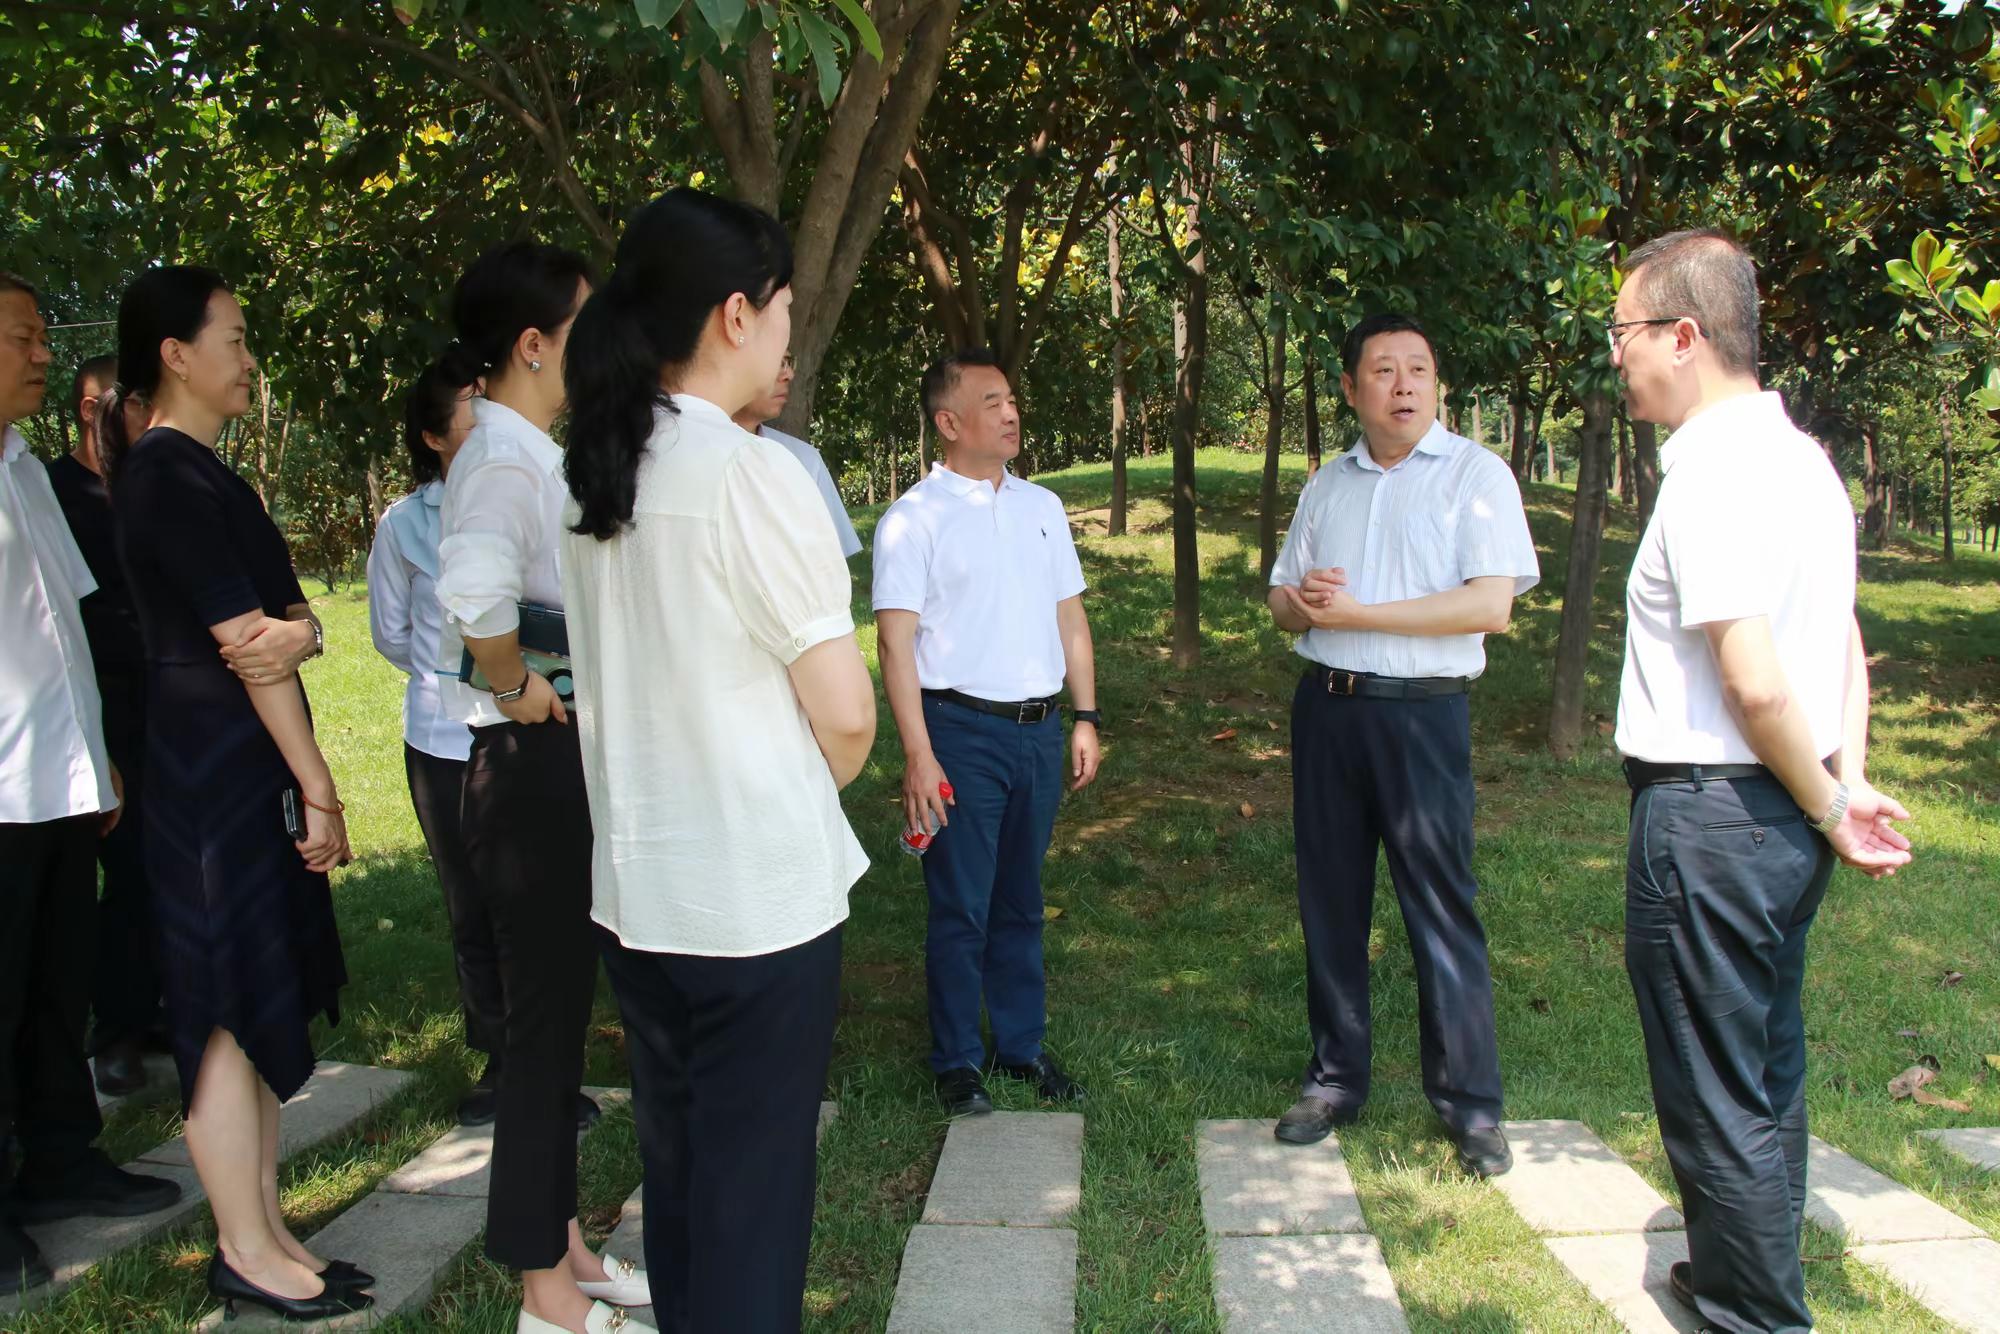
{"x": 1247, "y": 811}
{"x": 1226, "y": 734}
{"x": 1051, "y": 912}
{"x": 1930, "y": 1099}
{"x": 1906, "y": 1084}
{"x": 1993, "y": 1059}
{"x": 1907, "y": 1033}
{"x": 1951, "y": 979}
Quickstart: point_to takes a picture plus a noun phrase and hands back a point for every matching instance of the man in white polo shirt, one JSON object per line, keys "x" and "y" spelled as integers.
{"x": 980, "y": 622}
{"x": 1743, "y": 716}
{"x": 756, "y": 419}
{"x": 1405, "y": 552}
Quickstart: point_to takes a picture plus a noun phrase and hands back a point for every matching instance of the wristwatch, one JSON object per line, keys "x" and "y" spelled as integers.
{"x": 1837, "y": 812}
{"x": 509, "y": 696}
{"x": 1091, "y": 716}
{"x": 319, "y": 638}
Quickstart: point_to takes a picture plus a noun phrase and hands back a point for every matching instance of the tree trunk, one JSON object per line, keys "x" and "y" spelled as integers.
{"x": 1145, "y": 429}
{"x": 1274, "y": 439}
{"x": 1586, "y": 537}
{"x": 1888, "y": 508}
{"x": 274, "y": 482}
{"x": 1624, "y": 456}
{"x": 1518, "y": 403}
{"x": 1312, "y": 415}
{"x": 895, "y": 482}
{"x": 924, "y": 443}
{"x": 1874, "y": 515}
{"x": 376, "y": 503}
{"x": 1478, "y": 426}
{"x": 1190, "y": 362}
{"x": 1645, "y": 468}
{"x": 1115, "y": 525}
{"x": 1944, "y": 425}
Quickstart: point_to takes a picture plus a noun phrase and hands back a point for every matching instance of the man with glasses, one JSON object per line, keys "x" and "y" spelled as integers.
{"x": 1405, "y": 553}
{"x": 756, "y": 419}
{"x": 1743, "y": 717}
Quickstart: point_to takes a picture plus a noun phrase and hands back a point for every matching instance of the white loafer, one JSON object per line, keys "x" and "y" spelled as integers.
{"x": 626, "y": 1286}
{"x": 601, "y": 1320}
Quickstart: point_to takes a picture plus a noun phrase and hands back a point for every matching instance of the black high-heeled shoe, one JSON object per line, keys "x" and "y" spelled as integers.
{"x": 230, "y": 1287}
{"x": 347, "y": 1274}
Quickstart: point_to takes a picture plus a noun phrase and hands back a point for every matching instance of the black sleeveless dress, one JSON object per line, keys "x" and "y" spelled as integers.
{"x": 246, "y": 936}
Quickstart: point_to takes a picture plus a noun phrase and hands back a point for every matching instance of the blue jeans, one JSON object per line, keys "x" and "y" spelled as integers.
{"x": 984, "y": 874}
{"x": 1722, "y": 880}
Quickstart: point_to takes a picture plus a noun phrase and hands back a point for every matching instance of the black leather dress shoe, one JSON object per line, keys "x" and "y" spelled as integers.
{"x": 478, "y": 1107}
{"x": 1051, "y": 1084}
{"x": 1310, "y": 1120}
{"x": 963, "y": 1093}
{"x": 120, "y": 1070}
{"x": 346, "y": 1274}
{"x": 1680, "y": 1278}
{"x": 95, "y": 1190}
{"x": 587, "y": 1112}
{"x": 21, "y": 1263}
{"x": 1483, "y": 1151}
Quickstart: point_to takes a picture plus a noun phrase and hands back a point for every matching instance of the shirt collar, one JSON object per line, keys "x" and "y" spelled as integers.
{"x": 500, "y": 417}
{"x": 12, "y": 445}
{"x": 960, "y": 485}
{"x": 700, "y": 409}
{"x": 1742, "y": 414}
{"x": 433, "y": 493}
{"x": 1437, "y": 441}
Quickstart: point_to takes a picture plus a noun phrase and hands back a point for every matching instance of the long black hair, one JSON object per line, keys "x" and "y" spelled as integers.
{"x": 166, "y": 301}
{"x": 512, "y": 288}
{"x": 427, "y": 410}
{"x": 682, "y": 255}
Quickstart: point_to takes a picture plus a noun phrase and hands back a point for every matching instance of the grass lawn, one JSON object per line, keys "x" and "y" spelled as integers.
{"x": 1176, "y": 970}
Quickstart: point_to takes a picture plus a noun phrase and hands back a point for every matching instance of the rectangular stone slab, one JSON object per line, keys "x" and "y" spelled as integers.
{"x": 1627, "y": 1271}
{"x": 955, "y": 1279}
{"x": 334, "y": 1098}
{"x": 406, "y": 1241}
{"x": 1979, "y": 1145}
{"x": 1291, "y": 1285}
{"x": 461, "y": 1162}
{"x": 1566, "y": 1181}
{"x": 1959, "y": 1280}
{"x": 74, "y": 1246}
{"x": 1252, "y": 1185}
{"x": 1011, "y": 1169}
{"x": 1849, "y": 1197}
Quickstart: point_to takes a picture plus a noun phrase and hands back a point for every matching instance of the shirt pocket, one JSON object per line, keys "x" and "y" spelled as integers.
{"x": 1428, "y": 559}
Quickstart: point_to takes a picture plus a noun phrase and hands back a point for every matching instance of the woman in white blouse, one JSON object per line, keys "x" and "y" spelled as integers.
{"x": 406, "y": 622}
{"x": 723, "y": 704}
{"x": 524, "y": 814}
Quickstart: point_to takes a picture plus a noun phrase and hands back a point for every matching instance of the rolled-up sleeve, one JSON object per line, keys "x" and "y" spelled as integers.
{"x": 1493, "y": 535}
{"x": 496, "y": 531}
{"x": 786, "y": 576}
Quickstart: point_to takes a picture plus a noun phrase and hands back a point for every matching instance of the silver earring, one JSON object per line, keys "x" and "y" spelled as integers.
{"x": 534, "y": 365}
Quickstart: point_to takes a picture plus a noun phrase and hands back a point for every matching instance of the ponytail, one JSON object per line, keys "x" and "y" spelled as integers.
{"x": 681, "y": 256}
{"x": 113, "y": 440}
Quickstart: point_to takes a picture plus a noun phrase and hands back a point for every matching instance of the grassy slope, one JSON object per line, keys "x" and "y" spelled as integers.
{"x": 1176, "y": 970}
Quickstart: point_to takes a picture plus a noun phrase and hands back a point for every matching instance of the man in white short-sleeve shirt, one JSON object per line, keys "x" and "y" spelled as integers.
{"x": 58, "y": 795}
{"x": 1743, "y": 717}
{"x": 980, "y": 623}
{"x": 1405, "y": 552}
{"x": 757, "y": 417}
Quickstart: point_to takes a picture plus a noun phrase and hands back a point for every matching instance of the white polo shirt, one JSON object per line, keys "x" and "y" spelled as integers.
{"x": 829, "y": 490}
{"x": 1751, "y": 520}
{"x": 983, "y": 569}
{"x": 1449, "y": 512}
{"x": 52, "y": 759}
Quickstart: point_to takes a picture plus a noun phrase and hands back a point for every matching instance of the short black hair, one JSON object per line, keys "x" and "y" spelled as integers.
{"x": 1703, "y": 274}
{"x": 14, "y": 282}
{"x": 942, "y": 375}
{"x": 1383, "y": 323}
{"x": 102, "y": 368}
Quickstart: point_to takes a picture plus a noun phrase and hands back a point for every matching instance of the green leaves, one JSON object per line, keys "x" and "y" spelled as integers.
{"x": 656, "y": 13}
{"x": 824, "y": 42}
{"x": 864, "y": 27}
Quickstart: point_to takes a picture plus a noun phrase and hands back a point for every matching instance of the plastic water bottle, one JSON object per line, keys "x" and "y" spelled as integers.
{"x": 917, "y": 842}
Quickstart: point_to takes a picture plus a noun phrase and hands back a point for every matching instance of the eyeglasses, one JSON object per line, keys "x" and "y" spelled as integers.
{"x": 1616, "y": 343}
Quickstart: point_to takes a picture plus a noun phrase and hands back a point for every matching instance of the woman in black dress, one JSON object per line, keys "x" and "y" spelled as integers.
{"x": 247, "y": 945}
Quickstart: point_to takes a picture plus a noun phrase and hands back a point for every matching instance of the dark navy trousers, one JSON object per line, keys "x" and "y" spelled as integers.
{"x": 984, "y": 875}
{"x": 1394, "y": 775}
{"x": 1722, "y": 880}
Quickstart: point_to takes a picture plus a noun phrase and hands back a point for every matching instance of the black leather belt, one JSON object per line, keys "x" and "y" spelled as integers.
{"x": 1336, "y": 681}
{"x": 1020, "y": 711}
{"x": 1646, "y": 773}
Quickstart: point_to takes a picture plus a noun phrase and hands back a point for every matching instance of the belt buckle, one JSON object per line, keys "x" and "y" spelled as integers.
{"x": 1040, "y": 706}
{"x": 1333, "y": 674}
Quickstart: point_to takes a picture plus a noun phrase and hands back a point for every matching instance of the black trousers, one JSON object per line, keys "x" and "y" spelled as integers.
{"x": 126, "y": 1001}
{"x": 527, "y": 839}
{"x": 1722, "y": 881}
{"x": 48, "y": 901}
{"x": 437, "y": 789}
{"x": 1388, "y": 774}
{"x": 729, "y": 1061}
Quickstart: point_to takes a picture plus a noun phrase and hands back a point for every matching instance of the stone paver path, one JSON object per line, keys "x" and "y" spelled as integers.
{"x": 993, "y": 1250}
{"x": 409, "y": 1230}
{"x": 334, "y": 1098}
{"x": 1978, "y": 1145}
{"x": 1291, "y": 1245}
{"x": 159, "y": 1074}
